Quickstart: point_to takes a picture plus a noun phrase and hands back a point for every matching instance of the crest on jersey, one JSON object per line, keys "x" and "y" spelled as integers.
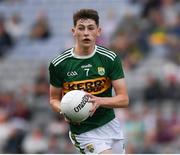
{"x": 90, "y": 148}
{"x": 101, "y": 70}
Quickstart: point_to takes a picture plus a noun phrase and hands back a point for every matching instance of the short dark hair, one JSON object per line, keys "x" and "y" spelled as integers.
{"x": 86, "y": 14}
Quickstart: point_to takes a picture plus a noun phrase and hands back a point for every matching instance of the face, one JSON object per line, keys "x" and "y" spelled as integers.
{"x": 85, "y": 32}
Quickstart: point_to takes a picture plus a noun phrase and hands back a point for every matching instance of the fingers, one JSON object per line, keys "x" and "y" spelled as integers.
{"x": 92, "y": 111}
{"x": 93, "y": 100}
{"x": 89, "y": 95}
{"x": 68, "y": 121}
{"x": 92, "y": 97}
{"x": 75, "y": 123}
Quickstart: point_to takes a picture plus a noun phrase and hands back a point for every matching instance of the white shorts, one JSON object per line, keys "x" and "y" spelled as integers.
{"x": 108, "y": 136}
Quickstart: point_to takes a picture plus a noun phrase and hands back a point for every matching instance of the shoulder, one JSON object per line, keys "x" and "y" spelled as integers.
{"x": 105, "y": 52}
{"x": 61, "y": 57}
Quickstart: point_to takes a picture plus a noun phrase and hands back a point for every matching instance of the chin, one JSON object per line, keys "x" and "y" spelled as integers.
{"x": 86, "y": 45}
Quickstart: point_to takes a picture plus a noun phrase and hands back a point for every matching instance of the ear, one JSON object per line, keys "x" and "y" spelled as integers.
{"x": 99, "y": 32}
{"x": 73, "y": 31}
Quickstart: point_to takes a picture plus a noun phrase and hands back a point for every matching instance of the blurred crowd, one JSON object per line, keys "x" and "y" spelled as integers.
{"x": 152, "y": 122}
{"x": 12, "y": 30}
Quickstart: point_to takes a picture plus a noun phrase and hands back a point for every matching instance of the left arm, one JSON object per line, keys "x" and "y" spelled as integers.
{"x": 121, "y": 99}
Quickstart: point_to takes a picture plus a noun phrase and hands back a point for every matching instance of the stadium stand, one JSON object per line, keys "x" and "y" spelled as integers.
{"x": 147, "y": 41}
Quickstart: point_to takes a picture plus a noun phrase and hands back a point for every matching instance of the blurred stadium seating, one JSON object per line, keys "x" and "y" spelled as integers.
{"x": 146, "y": 35}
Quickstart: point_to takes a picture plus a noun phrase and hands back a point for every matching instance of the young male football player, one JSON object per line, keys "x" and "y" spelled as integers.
{"x": 94, "y": 69}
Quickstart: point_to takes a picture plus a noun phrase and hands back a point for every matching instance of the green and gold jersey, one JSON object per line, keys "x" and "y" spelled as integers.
{"x": 93, "y": 74}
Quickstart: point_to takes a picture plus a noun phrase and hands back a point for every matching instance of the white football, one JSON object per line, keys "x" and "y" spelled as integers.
{"x": 75, "y": 106}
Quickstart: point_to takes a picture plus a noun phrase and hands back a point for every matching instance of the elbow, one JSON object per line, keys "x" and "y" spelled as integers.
{"x": 52, "y": 103}
{"x": 55, "y": 105}
{"x": 125, "y": 102}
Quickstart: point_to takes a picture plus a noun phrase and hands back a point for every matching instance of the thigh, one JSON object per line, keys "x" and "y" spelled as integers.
{"x": 99, "y": 147}
{"x": 90, "y": 145}
{"x": 99, "y": 139}
{"x": 109, "y": 151}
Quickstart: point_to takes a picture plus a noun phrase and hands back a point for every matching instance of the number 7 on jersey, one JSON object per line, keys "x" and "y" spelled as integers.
{"x": 87, "y": 71}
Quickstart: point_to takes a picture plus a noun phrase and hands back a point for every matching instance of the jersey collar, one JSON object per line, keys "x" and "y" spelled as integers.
{"x": 83, "y": 57}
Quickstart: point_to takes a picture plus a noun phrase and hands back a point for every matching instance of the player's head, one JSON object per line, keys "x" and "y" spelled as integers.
{"x": 86, "y": 14}
{"x": 86, "y": 27}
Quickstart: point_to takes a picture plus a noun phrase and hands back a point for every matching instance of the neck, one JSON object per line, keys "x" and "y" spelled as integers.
{"x": 82, "y": 51}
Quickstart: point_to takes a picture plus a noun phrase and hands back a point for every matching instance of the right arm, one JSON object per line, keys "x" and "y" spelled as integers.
{"x": 55, "y": 98}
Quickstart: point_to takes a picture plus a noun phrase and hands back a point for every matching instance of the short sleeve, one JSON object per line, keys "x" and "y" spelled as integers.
{"x": 54, "y": 79}
{"x": 116, "y": 70}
